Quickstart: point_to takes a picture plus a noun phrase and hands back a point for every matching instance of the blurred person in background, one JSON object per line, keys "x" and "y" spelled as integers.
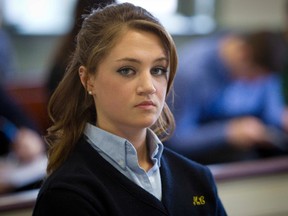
{"x": 228, "y": 100}
{"x": 6, "y": 54}
{"x": 284, "y": 36}
{"x": 22, "y": 149}
{"x": 67, "y": 44}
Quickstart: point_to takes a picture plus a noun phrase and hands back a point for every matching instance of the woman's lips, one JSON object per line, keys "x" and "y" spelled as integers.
{"x": 146, "y": 105}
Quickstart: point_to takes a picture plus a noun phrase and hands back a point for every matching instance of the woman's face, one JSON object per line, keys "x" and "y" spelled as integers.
{"x": 129, "y": 86}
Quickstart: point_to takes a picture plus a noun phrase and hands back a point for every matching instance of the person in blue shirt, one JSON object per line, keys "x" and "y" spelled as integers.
{"x": 6, "y": 57}
{"x": 110, "y": 117}
{"x": 20, "y": 141}
{"x": 228, "y": 103}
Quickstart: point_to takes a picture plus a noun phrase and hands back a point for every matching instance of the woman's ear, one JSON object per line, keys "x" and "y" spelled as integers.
{"x": 86, "y": 79}
{"x": 83, "y": 75}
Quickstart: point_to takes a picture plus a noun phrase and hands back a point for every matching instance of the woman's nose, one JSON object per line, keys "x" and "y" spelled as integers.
{"x": 146, "y": 85}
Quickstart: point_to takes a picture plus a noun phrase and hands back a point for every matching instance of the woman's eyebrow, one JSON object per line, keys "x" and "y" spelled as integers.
{"x": 162, "y": 59}
{"x": 128, "y": 59}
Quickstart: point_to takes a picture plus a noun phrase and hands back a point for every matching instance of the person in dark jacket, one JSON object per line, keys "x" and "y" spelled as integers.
{"x": 110, "y": 117}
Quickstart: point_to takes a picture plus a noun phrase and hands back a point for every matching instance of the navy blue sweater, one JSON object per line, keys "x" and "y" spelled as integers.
{"x": 86, "y": 184}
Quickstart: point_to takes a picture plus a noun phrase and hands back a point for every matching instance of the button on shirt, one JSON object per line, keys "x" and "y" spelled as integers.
{"x": 121, "y": 154}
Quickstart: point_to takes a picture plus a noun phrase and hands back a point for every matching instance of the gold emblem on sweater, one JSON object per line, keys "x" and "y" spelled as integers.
{"x": 198, "y": 200}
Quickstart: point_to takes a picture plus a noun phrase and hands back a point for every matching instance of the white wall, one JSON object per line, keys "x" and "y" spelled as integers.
{"x": 255, "y": 196}
{"x": 251, "y": 14}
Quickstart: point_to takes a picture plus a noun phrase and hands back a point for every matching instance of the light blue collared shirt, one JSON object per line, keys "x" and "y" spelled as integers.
{"x": 121, "y": 154}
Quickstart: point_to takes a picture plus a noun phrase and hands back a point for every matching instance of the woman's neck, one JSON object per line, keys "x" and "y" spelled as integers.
{"x": 139, "y": 141}
{"x": 144, "y": 159}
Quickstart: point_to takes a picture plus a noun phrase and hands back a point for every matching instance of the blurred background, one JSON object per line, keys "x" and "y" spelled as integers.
{"x": 33, "y": 31}
{"x": 35, "y": 26}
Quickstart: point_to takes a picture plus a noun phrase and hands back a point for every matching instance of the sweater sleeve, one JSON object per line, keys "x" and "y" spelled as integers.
{"x": 60, "y": 202}
{"x": 220, "y": 210}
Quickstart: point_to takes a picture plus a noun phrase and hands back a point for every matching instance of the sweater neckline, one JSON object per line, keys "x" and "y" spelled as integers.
{"x": 87, "y": 151}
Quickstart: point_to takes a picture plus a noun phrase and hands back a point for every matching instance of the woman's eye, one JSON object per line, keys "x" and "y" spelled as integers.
{"x": 158, "y": 71}
{"x": 126, "y": 71}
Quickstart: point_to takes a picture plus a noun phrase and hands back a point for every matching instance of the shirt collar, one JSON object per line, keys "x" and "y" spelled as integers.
{"x": 115, "y": 147}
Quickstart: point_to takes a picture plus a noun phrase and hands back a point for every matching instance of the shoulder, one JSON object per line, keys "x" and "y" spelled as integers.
{"x": 180, "y": 164}
{"x": 67, "y": 179}
{"x": 74, "y": 172}
{"x": 170, "y": 154}
{"x": 184, "y": 176}
{"x": 73, "y": 182}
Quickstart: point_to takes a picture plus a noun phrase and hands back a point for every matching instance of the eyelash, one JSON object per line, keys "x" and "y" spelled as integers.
{"x": 163, "y": 71}
{"x": 128, "y": 71}
{"x": 123, "y": 71}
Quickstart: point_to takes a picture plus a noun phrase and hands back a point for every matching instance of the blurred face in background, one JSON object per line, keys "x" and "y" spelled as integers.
{"x": 237, "y": 57}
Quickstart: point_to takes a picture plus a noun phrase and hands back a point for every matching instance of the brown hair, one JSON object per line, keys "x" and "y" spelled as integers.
{"x": 67, "y": 44}
{"x": 70, "y": 108}
{"x": 267, "y": 50}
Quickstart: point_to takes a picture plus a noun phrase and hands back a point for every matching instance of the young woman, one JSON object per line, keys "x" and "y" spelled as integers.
{"x": 105, "y": 156}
